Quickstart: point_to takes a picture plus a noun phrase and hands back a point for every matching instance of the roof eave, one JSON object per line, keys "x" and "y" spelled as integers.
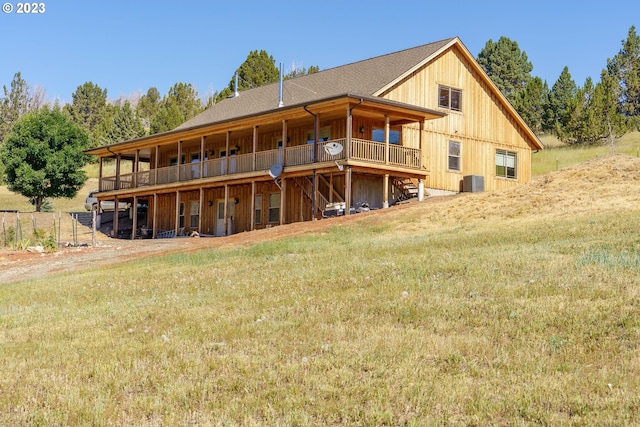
{"x": 425, "y": 113}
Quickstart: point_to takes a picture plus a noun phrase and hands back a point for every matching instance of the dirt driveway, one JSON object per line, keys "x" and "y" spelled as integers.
{"x": 22, "y": 265}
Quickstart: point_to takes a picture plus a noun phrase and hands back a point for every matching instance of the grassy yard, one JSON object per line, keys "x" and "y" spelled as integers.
{"x": 513, "y": 308}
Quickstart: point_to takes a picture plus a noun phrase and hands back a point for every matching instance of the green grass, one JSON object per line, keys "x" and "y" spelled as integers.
{"x": 557, "y": 156}
{"x": 488, "y": 323}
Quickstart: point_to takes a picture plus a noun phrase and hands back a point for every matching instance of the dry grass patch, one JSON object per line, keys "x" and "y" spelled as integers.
{"x": 513, "y": 308}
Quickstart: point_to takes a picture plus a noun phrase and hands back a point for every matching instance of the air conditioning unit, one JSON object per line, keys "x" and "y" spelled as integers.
{"x": 473, "y": 184}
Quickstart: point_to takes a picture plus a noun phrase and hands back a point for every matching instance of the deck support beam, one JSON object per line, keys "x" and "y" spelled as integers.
{"x": 155, "y": 215}
{"x": 387, "y": 129}
{"x": 225, "y": 220}
{"x": 385, "y": 191}
{"x": 347, "y": 191}
{"x": 116, "y": 212}
{"x": 283, "y": 196}
{"x": 177, "y": 227}
{"x": 134, "y": 217}
{"x": 252, "y": 214}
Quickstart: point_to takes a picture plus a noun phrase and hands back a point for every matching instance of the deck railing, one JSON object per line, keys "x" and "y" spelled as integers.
{"x": 361, "y": 149}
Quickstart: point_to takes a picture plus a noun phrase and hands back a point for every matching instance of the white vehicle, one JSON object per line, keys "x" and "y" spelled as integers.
{"x": 91, "y": 203}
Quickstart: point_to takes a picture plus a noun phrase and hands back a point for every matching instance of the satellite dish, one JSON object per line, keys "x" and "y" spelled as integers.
{"x": 333, "y": 148}
{"x": 275, "y": 171}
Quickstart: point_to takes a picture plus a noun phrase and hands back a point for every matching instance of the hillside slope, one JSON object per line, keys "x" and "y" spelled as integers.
{"x": 601, "y": 186}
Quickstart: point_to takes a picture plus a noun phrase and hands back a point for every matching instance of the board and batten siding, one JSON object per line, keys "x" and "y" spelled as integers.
{"x": 483, "y": 125}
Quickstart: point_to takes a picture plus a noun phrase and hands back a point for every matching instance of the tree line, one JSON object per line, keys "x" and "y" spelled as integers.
{"x": 108, "y": 122}
{"x": 42, "y": 145}
{"x": 591, "y": 113}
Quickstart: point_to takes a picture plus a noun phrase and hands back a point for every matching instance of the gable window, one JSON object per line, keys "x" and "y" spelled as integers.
{"x": 378, "y": 136}
{"x": 454, "y": 155}
{"x": 274, "y": 207}
{"x": 449, "y": 98}
{"x": 506, "y": 164}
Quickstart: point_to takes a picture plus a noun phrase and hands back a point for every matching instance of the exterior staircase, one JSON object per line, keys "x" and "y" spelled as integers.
{"x": 407, "y": 188}
{"x": 306, "y": 185}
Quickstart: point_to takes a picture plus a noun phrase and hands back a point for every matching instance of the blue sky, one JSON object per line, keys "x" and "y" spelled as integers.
{"x": 129, "y": 46}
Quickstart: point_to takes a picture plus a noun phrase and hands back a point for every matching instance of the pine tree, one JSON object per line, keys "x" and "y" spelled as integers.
{"x": 124, "y": 126}
{"x": 257, "y": 70}
{"x": 148, "y": 106}
{"x": 15, "y": 103}
{"x": 530, "y": 103}
{"x": 561, "y": 105}
{"x": 89, "y": 109}
{"x": 625, "y": 66}
{"x": 507, "y": 66}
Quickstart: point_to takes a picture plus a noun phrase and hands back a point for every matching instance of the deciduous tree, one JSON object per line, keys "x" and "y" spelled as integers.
{"x": 43, "y": 156}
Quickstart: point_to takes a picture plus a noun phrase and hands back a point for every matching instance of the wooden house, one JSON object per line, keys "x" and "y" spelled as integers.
{"x": 376, "y": 131}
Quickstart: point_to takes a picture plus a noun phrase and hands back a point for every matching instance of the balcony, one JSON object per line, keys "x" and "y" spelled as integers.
{"x": 360, "y": 150}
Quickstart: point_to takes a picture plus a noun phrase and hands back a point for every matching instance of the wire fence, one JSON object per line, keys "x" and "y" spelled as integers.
{"x": 46, "y": 231}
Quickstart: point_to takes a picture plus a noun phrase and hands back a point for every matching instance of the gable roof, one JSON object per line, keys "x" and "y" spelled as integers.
{"x": 368, "y": 78}
{"x": 364, "y": 78}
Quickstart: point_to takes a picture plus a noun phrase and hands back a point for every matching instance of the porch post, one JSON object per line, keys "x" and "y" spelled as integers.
{"x": 179, "y": 159}
{"x": 201, "y": 165}
{"x": 226, "y": 165}
{"x": 100, "y": 174}
{"x": 283, "y": 196}
{"x": 117, "y": 183}
{"x": 347, "y": 155}
{"x": 177, "y": 228}
{"x": 225, "y": 221}
{"x": 420, "y": 142}
{"x": 201, "y": 208}
{"x": 134, "y": 226}
{"x": 284, "y": 141}
{"x": 252, "y": 214}
{"x": 386, "y": 139}
{"x": 420, "y": 190}
{"x": 347, "y": 191}
{"x": 385, "y": 191}
{"x": 155, "y": 216}
{"x": 314, "y": 195}
{"x": 116, "y": 212}
{"x": 255, "y": 146}
{"x": 135, "y": 168}
{"x": 157, "y": 162}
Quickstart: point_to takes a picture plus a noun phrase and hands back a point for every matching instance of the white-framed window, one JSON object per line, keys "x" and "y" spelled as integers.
{"x": 274, "y": 207}
{"x": 506, "y": 164}
{"x": 258, "y": 210}
{"x": 449, "y": 98}
{"x": 455, "y": 150}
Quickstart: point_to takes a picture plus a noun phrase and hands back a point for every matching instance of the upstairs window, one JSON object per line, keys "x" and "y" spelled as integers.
{"x": 506, "y": 164}
{"x": 378, "y": 136}
{"x": 449, "y": 98}
{"x": 454, "y": 155}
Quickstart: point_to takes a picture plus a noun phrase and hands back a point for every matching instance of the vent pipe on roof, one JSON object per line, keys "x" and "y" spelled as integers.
{"x": 236, "y": 93}
{"x": 280, "y": 101}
